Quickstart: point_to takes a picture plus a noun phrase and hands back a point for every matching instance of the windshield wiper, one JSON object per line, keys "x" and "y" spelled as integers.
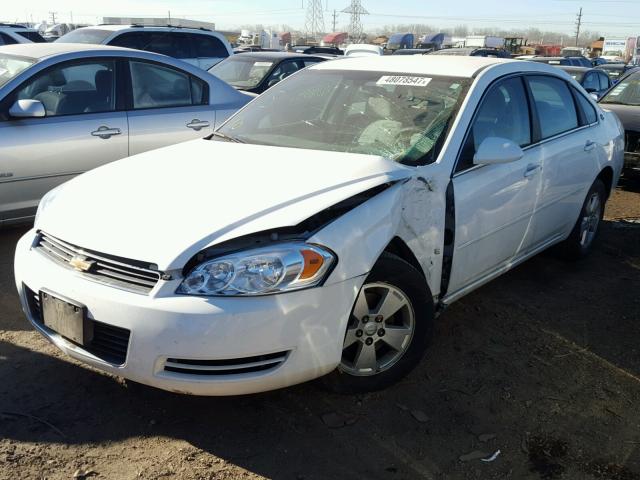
{"x": 224, "y": 136}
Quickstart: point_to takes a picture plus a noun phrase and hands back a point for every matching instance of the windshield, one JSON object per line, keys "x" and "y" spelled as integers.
{"x": 627, "y": 92}
{"x": 614, "y": 71}
{"x": 242, "y": 72}
{"x": 10, "y": 67}
{"x": 403, "y": 117}
{"x": 86, "y": 35}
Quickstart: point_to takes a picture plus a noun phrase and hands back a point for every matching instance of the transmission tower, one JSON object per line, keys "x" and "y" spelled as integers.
{"x": 355, "y": 24}
{"x": 314, "y": 23}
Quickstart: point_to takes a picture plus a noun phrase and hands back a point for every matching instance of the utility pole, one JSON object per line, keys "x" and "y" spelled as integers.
{"x": 578, "y": 25}
{"x": 52, "y": 15}
{"x": 335, "y": 15}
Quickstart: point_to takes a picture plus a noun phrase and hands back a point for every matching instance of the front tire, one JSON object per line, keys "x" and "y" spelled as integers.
{"x": 389, "y": 329}
{"x": 580, "y": 241}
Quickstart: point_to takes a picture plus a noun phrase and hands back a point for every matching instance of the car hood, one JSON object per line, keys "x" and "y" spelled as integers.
{"x": 629, "y": 115}
{"x": 164, "y": 206}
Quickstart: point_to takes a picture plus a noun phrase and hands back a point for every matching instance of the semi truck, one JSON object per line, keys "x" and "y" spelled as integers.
{"x": 484, "y": 41}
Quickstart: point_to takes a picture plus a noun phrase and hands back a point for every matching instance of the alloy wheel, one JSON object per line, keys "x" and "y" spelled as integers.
{"x": 379, "y": 332}
{"x": 590, "y": 220}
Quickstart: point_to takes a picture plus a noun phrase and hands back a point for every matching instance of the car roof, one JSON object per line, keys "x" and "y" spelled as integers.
{"x": 44, "y": 50}
{"x": 418, "y": 64}
{"x": 118, "y": 27}
{"x": 272, "y": 55}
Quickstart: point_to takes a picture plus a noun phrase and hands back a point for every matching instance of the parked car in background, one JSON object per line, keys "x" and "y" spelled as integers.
{"x": 316, "y": 50}
{"x": 253, "y": 48}
{"x": 598, "y": 61}
{"x": 320, "y": 228}
{"x": 68, "y": 108}
{"x": 474, "y": 52}
{"x": 11, "y": 33}
{"x": 363, "y": 50}
{"x": 595, "y": 81}
{"x": 617, "y": 70}
{"x": 624, "y": 100}
{"x": 198, "y": 46}
{"x": 565, "y": 61}
{"x": 257, "y": 71}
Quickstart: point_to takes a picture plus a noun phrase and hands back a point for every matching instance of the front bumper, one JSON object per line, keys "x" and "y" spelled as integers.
{"x": 305, "y": 329}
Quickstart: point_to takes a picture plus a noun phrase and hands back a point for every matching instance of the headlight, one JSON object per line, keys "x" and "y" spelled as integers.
{"x": 277, "y": 268}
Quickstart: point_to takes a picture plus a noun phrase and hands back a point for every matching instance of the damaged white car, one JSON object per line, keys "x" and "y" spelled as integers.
{"x": 322, "y": 228}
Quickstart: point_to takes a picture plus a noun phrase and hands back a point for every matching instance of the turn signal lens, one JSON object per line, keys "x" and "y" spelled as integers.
{"x": 312, "y": 263}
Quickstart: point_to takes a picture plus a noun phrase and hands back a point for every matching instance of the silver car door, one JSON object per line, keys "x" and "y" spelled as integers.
{"x": 168, "y": 106}
{"x": 82, "y": 129}
{"x": 494, "y": 203}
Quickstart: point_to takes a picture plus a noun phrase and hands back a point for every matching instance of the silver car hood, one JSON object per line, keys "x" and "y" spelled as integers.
{"x": 166, "y": 205}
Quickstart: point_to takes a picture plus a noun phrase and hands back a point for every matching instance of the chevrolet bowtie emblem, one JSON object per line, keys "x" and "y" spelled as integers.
{"x": 81, "y": 264}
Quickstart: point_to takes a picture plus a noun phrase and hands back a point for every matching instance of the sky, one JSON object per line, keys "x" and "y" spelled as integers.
{"x": 608, "y": 17}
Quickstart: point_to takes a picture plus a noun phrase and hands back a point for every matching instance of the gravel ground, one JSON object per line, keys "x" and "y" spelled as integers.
{"x": 542, "y": 364}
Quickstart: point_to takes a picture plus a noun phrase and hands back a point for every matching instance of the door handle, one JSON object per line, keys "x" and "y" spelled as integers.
{"x": 589, "y": 146}
{"x": 532, "y": 170}
{"x": 197, "y": 125}
{"x": 106, "y": 132}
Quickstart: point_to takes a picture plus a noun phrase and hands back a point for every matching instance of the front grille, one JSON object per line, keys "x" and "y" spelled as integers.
{"x": 109, "y": 343}
{"x": 108, "y": 269}
{"x": 234, "y": 366}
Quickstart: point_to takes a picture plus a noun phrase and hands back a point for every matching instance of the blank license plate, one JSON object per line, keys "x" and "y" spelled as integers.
{"x": 66, "y": 318}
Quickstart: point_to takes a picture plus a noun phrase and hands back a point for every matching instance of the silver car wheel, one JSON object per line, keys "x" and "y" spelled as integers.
{"x": 590, "y": 220}
{"x": 379, "y": 331}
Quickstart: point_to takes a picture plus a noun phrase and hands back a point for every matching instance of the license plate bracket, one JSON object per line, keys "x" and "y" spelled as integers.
{"x": 66, "y": 317}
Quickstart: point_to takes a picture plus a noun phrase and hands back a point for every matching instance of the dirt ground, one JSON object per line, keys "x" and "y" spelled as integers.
{"x": 543, "y": 365}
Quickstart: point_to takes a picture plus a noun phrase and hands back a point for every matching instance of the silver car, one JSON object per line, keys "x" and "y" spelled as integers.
{"x": 68, "y": 108}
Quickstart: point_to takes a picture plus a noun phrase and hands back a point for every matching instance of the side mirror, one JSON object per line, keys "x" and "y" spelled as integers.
{"x": 27, "y": 109}
{"x": 495, "y": 150}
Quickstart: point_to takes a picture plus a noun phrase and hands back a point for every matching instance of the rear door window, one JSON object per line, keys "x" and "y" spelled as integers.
{"x": 6, "y": 39}
{"x": 588, "y": 111}
{"x": 157, "y": 86}
{"x": 208, "y": 46}
{"x": 554, "y": 104}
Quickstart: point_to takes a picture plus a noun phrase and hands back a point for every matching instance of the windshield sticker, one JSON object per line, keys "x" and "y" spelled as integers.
{"x": 263, "y": 64}
{"x": 454, "y": 86}
{"x": 403, "y": 80}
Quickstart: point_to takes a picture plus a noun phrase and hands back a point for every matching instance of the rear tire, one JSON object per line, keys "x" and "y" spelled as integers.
{"x": 584, "y": 233}
{"x": 389, "y": 330}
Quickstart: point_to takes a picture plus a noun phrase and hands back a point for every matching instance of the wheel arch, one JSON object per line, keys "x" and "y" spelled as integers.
{"x": 606, "y": 176}
{"x": 399, "y": 248}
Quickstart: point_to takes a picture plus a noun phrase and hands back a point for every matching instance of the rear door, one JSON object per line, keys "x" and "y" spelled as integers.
{"x": 567, "y": 146}
{"x": 494, "y": 203}
{"x": 83, "y": 128}
{"x": 166, "y": 106}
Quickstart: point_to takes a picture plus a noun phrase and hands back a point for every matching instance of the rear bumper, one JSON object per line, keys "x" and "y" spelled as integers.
{"x": 272, "y": 341}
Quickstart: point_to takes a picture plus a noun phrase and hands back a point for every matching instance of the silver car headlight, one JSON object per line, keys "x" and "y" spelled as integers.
{"x": 273, "y": 269}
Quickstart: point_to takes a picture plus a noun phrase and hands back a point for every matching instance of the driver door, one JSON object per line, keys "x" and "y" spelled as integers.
{"x": 82, "y": 130}
{"x": 494, "y": 204}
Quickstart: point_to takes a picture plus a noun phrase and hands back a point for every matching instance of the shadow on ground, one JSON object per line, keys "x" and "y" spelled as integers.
{"x": 547, "y": 353}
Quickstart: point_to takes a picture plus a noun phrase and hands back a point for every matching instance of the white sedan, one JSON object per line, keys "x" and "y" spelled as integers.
{"x": 319, "y": 230}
